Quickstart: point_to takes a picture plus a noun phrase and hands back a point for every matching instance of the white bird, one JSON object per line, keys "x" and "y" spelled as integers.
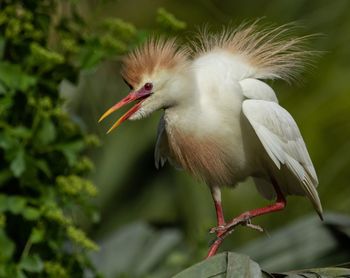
{"x": 221, "y": 121}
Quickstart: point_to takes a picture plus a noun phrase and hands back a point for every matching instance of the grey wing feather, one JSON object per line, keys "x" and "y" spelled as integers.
{"x": 281, "y": 138}
{"x": 160, "y": 156}
{"x": 265, "y": 188}
{"x": 162, "y": 152}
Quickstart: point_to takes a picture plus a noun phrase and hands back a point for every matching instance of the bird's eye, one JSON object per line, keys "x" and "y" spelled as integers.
{"x": 148, "y": 86}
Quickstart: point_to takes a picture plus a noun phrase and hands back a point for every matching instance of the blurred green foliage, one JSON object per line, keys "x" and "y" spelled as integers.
{"x": 169, "y": 21}
{"x": 43, "y": 189}
{"x": 42, "y": 184}
{"x": 41, "y": 148}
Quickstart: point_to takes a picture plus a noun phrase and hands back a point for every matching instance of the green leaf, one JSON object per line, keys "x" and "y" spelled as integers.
{"x": 90, "y": 56}
{"x": 224, "y": 265}
{"x": 169, "y": 21}
{"x": 119, "y": 27}
{"x": 6, "y": 102}
{"x": 19, "y": 274}
{"x": 11, "y": 270}
{"x": 7, "y": 246}
{"x": 32, "y": 264}
{"x": 37, "y": 235}
{"x": 5, "y": 141}
{"x": 21, "y": 132}
{"x": 2, "y": 91}
{"x": 13, "y": 77}
{"x": 44, "y": 167}
{"x": 231, "y": 264}
{"x": 71, "y": 151}
{"x": 47, "y": 132}
{"x": 18, "y": 164}
{"x": 31, "y": 213}
{"x": 16, "y": 204}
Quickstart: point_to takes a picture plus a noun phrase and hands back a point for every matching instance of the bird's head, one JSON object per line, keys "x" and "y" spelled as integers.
{"x": 150, "y": 71}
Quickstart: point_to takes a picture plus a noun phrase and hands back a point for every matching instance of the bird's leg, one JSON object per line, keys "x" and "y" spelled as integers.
{"x": 246, "y": 217}
{"x": 216, "y": 194}
{"x": 223, "y": 230}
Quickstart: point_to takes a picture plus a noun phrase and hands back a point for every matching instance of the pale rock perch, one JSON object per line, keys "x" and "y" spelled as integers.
{"x": 221, "y": 122}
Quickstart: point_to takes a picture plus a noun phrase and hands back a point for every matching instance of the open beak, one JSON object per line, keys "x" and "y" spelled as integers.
{"x": 140, "y": 95}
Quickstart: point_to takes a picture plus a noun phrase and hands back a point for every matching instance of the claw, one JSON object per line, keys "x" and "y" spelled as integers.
{"x": 253, "y": 226}
{"x": 217, "y": 229}
{"x": 230, "y": 226}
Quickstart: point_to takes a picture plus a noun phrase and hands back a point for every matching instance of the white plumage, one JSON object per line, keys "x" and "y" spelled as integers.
{"x": 281, "y": 138}
{"x": 225, "y": 92}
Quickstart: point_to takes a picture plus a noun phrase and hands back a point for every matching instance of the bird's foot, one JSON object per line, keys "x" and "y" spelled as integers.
{"x": 229, "y": 227}
{"x": 218, "y": 229}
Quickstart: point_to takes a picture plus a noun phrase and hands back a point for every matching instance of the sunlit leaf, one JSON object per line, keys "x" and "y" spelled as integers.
{"x": 16, "y": 204}
{"x": 12, "y": 76}
{"x": 47, "y": 132}
{"x": 31, "y": 213}
{"x": 37, "y": 235}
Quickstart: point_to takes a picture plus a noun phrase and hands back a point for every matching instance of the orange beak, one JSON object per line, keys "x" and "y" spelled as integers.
{"x": 141, "y": 95}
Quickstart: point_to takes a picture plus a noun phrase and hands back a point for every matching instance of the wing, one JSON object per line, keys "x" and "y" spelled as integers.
{"x": 281, "y": 138}
{"x": 256, "y": 89}
{"x": 160, "y": 151}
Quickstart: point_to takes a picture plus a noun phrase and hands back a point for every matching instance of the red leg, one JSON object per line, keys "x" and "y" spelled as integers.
{"x": 216, "y": 194}
{"x": 214, "y": 247}
{"x": 244, "y": 218}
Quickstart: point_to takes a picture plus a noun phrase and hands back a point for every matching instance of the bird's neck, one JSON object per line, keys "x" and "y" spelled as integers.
{"x": 204, "y": 104}
{"x": 183, "y": 94}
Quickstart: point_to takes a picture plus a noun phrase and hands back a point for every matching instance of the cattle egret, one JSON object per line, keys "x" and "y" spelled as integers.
{"x": 222, "y": 122}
